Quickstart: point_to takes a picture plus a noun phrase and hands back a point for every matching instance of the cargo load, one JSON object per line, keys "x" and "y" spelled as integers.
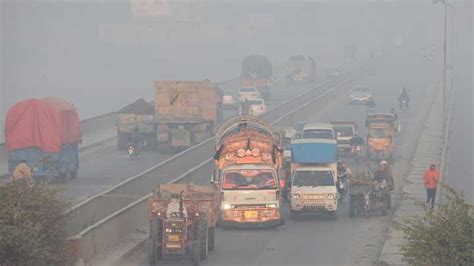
{"x": 309, "y": 151}
{"x": 45, "y": 133}
{"x": 138, "y": 116}
{"x": 186, "y": 112}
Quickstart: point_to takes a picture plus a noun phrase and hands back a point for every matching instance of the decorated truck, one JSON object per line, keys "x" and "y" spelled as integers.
{"x": 136, "y": 118}
{"x": 182, "y": 222}
{"x": 314, "y": 176}
{"x": 46, "y": 134}
{"x": 248, "y": 162}
{"x": 256, "y": 71}
{"x": 186, "y": 112}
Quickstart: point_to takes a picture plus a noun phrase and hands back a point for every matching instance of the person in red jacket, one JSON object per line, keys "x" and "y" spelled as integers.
{"x": 431, "y": 179}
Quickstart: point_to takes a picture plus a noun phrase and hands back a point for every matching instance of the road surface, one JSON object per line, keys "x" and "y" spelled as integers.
{"x": 318, "y": 239}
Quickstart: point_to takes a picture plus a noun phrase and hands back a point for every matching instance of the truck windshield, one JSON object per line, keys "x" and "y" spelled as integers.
{"x": 247, "y": 89}
{"x": 249, "y": 179}
{"x": 379, "y": 133}
{"x": 344, "y": 131}
{"x": 313, "y": 178}
{"x": 318, "y": 134}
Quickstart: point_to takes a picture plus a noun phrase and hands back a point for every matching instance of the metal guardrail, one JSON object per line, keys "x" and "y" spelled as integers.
{"x": 112, "y": 228}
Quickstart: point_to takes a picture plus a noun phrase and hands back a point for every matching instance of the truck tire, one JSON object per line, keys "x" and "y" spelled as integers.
{"x": 195, "y": 255}
{"x": 211, "y": 236}
{"x": 74, "y": 174}
{"x": 203, "y": 238}
{"x": 154, "y": 247}
{"x": 121, "y": 141}
{"x": 352, "y": 208}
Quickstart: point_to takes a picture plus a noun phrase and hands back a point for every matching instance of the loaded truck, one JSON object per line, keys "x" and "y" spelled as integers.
{"x": 186, "y": 112}
{"x": 46, "y": 134}
{"x": 314, "y": 176}
{"x": 182, "y": 222}
{"x": 136, "y": 118}
{"x": 247, "y": 173}
{"x": 345, "y": 131}
{"x": 300, "y": 70}
{"x": 256, "y": 71}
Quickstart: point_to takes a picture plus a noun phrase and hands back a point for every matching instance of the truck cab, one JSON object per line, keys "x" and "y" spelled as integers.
{"x": 250, "y": 195}
{"x": 314, "y": 176}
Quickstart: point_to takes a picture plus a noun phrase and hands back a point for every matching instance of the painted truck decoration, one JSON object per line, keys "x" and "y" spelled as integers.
{"x": 247, "y": 173}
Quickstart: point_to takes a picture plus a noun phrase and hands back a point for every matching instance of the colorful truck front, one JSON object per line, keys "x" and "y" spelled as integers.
{"x": 248, "y": 163}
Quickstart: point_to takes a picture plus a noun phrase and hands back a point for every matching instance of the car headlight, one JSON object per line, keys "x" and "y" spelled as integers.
{"x": 168, "y": 230}
{"x": 226, "y": 206}
{"x": 272, "y": 206}
{"x": 296, "y": 196}
{"x": 331, "y": 196}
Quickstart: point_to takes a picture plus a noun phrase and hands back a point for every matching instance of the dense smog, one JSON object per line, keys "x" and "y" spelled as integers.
{"x": 164, "y": 132}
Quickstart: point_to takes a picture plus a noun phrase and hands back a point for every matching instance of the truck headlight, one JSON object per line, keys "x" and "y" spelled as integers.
{"x": 272, "y": 206}
{"x": 331, "y": 196}
{"x": 226, "y": 206}
{"x": 296, "y": 196}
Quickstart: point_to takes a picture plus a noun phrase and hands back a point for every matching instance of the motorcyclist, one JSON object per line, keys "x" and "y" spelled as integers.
{"x": 384, "y": 172}
{"x": 343, "y": 175}
{"x": 356, "y": 141}
{"x": 245, "y": 107}
{"x": 404, "y": 96}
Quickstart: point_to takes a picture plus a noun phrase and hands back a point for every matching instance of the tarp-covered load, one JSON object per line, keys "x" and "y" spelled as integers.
{"x": 43, "y": 123}
{"x": 256, "y": 67}
{"x": 314, "y": 151}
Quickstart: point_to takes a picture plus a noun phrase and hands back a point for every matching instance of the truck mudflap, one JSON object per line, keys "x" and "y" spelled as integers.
{"x": 251, "y": 218}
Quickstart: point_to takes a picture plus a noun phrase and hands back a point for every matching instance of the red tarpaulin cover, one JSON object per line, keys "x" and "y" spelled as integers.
{"x": 43, "y": 123}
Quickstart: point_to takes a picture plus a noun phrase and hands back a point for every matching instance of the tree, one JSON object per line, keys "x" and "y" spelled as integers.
{"x": 31, "y": 225}
{"x": 444, "y": 236}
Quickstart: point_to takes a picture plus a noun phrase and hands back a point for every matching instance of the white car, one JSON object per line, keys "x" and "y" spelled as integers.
{"x": 360, "y": 95}
{"x": 248, "y": 92}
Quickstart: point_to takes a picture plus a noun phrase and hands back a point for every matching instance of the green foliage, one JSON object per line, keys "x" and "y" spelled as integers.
{"x": 444, "y": 236}
{"x": 31, "y": 225}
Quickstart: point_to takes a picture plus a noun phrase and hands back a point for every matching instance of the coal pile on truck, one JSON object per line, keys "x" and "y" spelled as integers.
{"x": 256, "y": 71}
{"x": 136, "y": 118}
{"x": 45, "y": 133}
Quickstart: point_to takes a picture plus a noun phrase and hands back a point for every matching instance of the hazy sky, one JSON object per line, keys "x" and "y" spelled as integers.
{"x": 101, "y": 55}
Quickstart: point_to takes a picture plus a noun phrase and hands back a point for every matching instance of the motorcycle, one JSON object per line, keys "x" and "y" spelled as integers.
{"x": 342, "y": 185}
{"x": 357, "y": 153}
{"x": 403, "y": 104}
{"x": 132, "y": 152}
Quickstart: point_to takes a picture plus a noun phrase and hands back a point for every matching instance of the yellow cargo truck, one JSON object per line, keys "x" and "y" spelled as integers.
{"x": 186, "y": 112}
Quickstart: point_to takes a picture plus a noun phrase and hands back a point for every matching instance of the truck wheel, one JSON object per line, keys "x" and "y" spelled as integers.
{"x": 121, "y": 141}
{"x": 195, "y": 257}
{"x": 74, "y": 174}
{"x": 203, "y": 238}
{"x": 154, "y": 248}
{"x": 352, "y": 208}
{"x": 389, "y": 201}
{"x": 211, "y": 236}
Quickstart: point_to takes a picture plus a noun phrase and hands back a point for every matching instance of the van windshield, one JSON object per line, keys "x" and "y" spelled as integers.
{"x": 313, "y": 178}
{"x": 249, "y": 179}
{"x": 344, "y": 131}
{"x": 318, "y": 134}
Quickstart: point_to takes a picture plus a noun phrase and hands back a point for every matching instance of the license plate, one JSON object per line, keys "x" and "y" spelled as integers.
{"x": 251, "y": 214}
{"x": 173, "y": 238}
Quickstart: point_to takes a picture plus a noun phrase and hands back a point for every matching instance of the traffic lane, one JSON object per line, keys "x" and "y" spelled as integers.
{"x": 313, "y": 238}
{"x": 103, "y": 166}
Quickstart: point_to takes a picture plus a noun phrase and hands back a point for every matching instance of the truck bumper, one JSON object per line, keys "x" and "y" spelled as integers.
{"x": 239, "y": 218}
{"x": 303, "y": 206}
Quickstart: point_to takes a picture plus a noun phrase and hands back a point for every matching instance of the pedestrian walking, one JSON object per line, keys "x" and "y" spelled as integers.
{"x": 431, "y": 179}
